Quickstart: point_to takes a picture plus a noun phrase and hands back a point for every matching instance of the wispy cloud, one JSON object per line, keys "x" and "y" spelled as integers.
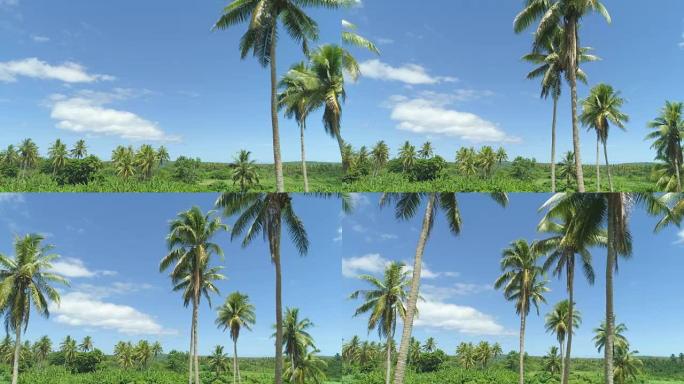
{"x": 375, "y": 264}
{"x": 40, "y": 39}
{"x": 68, "y": 72}
{"x": 452, "y": 317}
{"x": 75, "y": 268}
{"x": 11, "y": 198}
{"x": 412, "y": 74}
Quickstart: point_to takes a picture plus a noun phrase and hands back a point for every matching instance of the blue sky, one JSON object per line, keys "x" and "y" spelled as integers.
{"x": 128, "y": 72}
{"x": 111, "y": 245}
{"x": 461, "y": 304}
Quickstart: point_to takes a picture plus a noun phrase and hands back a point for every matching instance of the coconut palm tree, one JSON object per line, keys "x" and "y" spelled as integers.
{"x": 351, "y": 349}
{"x": 406, "y": 207}
{"x": 386, "y": 303}
{"x": 426, "y": 151}
{"x": 567, "y": 170}
{"x": 43, "y": 348}
{"x": 627, "y": 366}
{"x": 600, "y": 109}
{"x": 552, "y": 362}
{"x": 414, "y": 351}
{"x": 244, "y": 171}
{"x": 465, "y": 352}
{"x": 157, "y": 349}
{"x": 58, "y": 155}
{"x": 124, "y": 354}
{"x": 143, "y": 353}
{"x": 296, "y": 338}
{"x": 69, "y": 349}
{"x": 124, "y": 161}
{"x": 667, "y": 137}
{"x": 28, "y": 155}
{"x": 265, "y": 214}
{"x": 620, "y": 343}
{"x": 80, "y": 150}
{"x": 146, "y": 159}
{"x": 263, "y": 18}
{"x": 163, "y": 156}
{"x": 350, "y": 37}
{"x": 483, "y": 353}
{"x": 496, "y": 350}
{"x": 190, "y": 250}
{"x": 379, "y": 155}
{"x": 294, "y": 99}
{"x": 236, "y": 313}
{"x": 25, "y": 282}
{"x": 556, "y": 322}
{"x": 574, "y": 224}
{"x": 309, "y": 369}
{"x": 407, "y": 156}
{"x": 565, "y": 13}
{"x": 485, "y": 160}
{"x": 501, "y": 155}
{"x": 522, "y": 282}
{"x": 86, "y": 345}
{"x": 430, "y": 345}
{"x": 466, "y": 161}
{"x": 218, "y": 361}
{"x": 10, "y": 157}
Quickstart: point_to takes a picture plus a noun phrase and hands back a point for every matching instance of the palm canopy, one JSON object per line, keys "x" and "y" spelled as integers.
{"x": 296, "y": 337}
{"x": 25, "y": 281}
{"x": 236, "y": 313}
{"x": 556, "y": 320}
{"x": 522, "y": 279}
{"x": 350, "y": 37}
{"x": 294, "y": 97}
{"x": 620, "y": 343}
{"x": 602, "y": 108}
{"x": 668, "y": 129}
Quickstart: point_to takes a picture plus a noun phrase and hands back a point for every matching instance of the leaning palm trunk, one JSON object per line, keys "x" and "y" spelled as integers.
{"x": 280, "y": 183}
{"x": 521, "y": 368}
{"x": 413, "y": 294}
{"x": 301, "y": 140}
{"x": 679, "y": 181}
{"x": 17, "y": 348}
{"x": 553, "y": 145}
{"x": 340, "y": 143}
{"x": 571, "y": 35}
{"x": 274, "y": 244}
{"x": 610, "y": 177}
{"x": 388, "y": 372}
{"x": 598, "y": 164}
{"x": 569, "y": 323}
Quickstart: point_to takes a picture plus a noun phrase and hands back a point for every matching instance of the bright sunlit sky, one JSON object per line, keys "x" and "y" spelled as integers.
{"x": 127, "y": 72}
{"x": 461, "y": 305}
{"x": 111, "y": 245}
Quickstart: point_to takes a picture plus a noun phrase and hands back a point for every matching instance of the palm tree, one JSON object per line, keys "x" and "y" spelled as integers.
{"x": 407, "y": 205}
{"x": 430, "y": 345}
{"x": 218, "y": 361}
{"x": 237, "y": 312}
{"x": 426, "y": 151}
{"x": 380, "y": 155}
{"x": 264, "y": 214}
{"x": 496, "y": 350}
{"x": 58, "y": 155}
{"x": 86, "y": 345}
{"x": 574, "y": 223}
{"x": 522, "y": 282}
{"x": 485, "y": 160}
{"x": 501, "y": 155}
{"x": 143, "y": 353}
{"x": 556, "y": 322}
{"x": 310, "y": 369}
{"x": 599, "y": 110}
{"x": 627, "y": 366}
{"x": 667, "y": 137}
{"x": 567, "y": 169}
{"x": 162, "y": 156}
{"x": 386, "y": 303}
{"x": 351, "y": 350}
{"x": 294, "y": 98}
{"x": 28, "y": 154}
{"x": 465, "y": 352}
{"x": 407, "y": 156}
{"x": 466, "y": 161}
{"x": 245, "y": 171}
{"x": 620, "y": 343}
{"x": 296, "y": 338}
{"x": 43, "y": 347}
{"x": 124, "y": 161}
{"x": 552, "y": 362}
{"x": 157, "y": 349}
{"x": 146, "y": 159}
{"x": 80, "y": 150}
{"x": 190, "y": 250}
{"x": 10, "y": 157}
{"x": 350, "y": 37}
{"x": 68, "y": 349}
{"x": 261, "y": 38}
{"x": 24, "y": 282}
{"x": 414, "y": 351}
{"x": 125, "y": 355}
{"x": 483, "y": 353}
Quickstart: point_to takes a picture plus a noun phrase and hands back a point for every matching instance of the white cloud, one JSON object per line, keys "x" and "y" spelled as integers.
{"x": 371, "y": 263}
{"x": 358, "y": 200}
{"x": 431, "y": 113}
{"x": 68, "y": 72}
{"x": 385, "y": 41}
{"x": 433, "y": 292}
{"x": 80, "y": 309}
{"x": 75, "y": 268}
{"x": 338, "y": 236}
{"x": 87, "y": 112}
{"x": 115, "y": 289}
{"x": 11, "y": 198}
{"x": 452, "y": 317}
{"x": 412, "y": 74}
{"x": 40, "y": 39}
{"x": 388, "y": 236}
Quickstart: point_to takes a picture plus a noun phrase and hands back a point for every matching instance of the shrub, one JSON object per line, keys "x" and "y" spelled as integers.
{"x": 186, "y": 169}
{"x": 77, "y": 171}
{"x": 522, "y": 168}
{"x": 430, "y": 362}
{"x": 427, "y": 169}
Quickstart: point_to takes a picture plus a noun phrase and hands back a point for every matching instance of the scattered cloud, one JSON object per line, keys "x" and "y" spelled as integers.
{"x": 452, "y": 317}
{"x": 358, "y": 200}
{"x": 385, "y": 41}
{"x": 441, "y": 293}
{"x": 681, "y": 43}
{"x": 8, "y": 2}
{"x": 88, "y": 112}
{"x": 338, "y": 236}
{"x": 40, "y": 39}
{"x": 115, "y": 289}
{"x": 411, "y": 74}
{"x": 374, "y": 263}
{"x": 388, "y": 236}
{"x": 81, "y": 309}
{"x": 68, "y": 72}
{"x": 433, "y": 113}
{"x": 357, "y": 3}
{"x": 11, "y": 198}
{"x": 75, "y": 268}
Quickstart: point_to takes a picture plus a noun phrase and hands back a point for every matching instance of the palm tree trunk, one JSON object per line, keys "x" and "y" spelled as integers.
{"x": 571, "y": 36}
{"x": 192, "y": 348}
{"x": 17, "y": 349}
{"x": 195, "y": 315}
{"x": 274, "y": 243}
{"x": 413, "y": 294}
{"x": 569, "y": 323}
{"x": 614, "y": 210}
{"x": 610, "y": 177}
{"x": 340, "y": 143}
{"x": 301, "y": 140}
{"x": 234, "y": 361}
{"x": 280, "y": 183}
{"x": 561, "y": 344}
{"x": 679, "y": 180}
{"x": 553, "y": 145}
{"x": 521, "y": 368}
{"x": 388, "y": 372}
{"x": 598, "y": 164}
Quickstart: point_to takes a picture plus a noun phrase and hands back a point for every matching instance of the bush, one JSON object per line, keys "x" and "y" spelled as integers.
{"x": 79, "y": 171}
{"x": 523, "y": 169}
{"x": 186, "y": 170}
{"x": 85, "y": 362}
{"x": 430, "y": 362}
{"x": 177, "y": 361}
{"x": 427, "y": 169}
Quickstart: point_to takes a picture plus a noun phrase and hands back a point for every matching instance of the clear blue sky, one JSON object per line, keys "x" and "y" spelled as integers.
{"x": 461, "y": 304}
{"x": 129, "y": 71}
{"x": 111, "y": 246}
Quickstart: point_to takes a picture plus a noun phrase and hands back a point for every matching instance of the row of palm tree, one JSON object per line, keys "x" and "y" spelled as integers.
{"x": 140, "y": 355}
{"x": 471, "y": 355}
{"x": 470, "y": 162}
{"x": 129, "y": 162}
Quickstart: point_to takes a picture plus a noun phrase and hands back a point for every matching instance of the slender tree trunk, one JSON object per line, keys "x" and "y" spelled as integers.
{"x": 280, "y": 182}
{"x": 195, "y": 316}
{"x": 274, "y": 243}
{"x": 598, "y": 164}
{"x": 610, "y": 177}
{"x": 340, "y": 143}
{"x": 234, "y": 361}
{"x": 568, "y": 322}
{"x": 388, "y": 372}
{"x": 17, "y": 349}
{"x": 561, "y": 343}
{"x": 553, "y": 145}
{"x": 521, "y": 368}
{"x": 191, "y": 352}
{"x": 302, "y": 126}
{"x": 679, "y": 180}
{"x": 615, "y": 210}
{"x": 571, "y": 36}
{"x": 413, "y": 294}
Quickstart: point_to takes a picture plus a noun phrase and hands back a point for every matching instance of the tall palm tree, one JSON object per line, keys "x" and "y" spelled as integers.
{"x": 80, "y": 150}
{"x": 496, "y": 350}
{"x": 10, "y": 157}
{"x": 157, "y": 349}
{"x": 386, "y": 303}
{"x": 69, "y": 349}
{"x": 244, "y": 171}
{"x": 351, "y": 350}
{"x": 552, "y": 362}
{"x": 426, "y": 151}
{"x": 264, "y": 214}
{"x": 483, "y": 353}
{"x": 599, "y": 110}
{"x": 627, "y": 366}
{"x": 501, "y": 155}
{"x": 466, "y": 161}
{"x": 162, "y": 156}
{"x": 296, "y": 337}
{"x": 667, "y": 137}
{"x": 218, "y": 361}
{"x": 574, "y": 224}
{"x": 565, "y": 13}
{"x": 124, "y": 354}
{"x": 25, "y": 281}
{"x": 486, "y": 159}
{"x": 465, "y": 352}
{"x": 567, "y": 170}
{"x": 620, "y": 343}
{"x": 146, "y": 159}
{"x": 86, "y": 345}
{"x": 263, "y": 18}
{"x": 124, "y": 161}
{"x": 190, "y": 250}
{"x": 309, "y": 369}
{"x": 406, "y": 207}
{"x": 556, "y": 322}
{"x": 236, "y": 313}
{"x": 522, "y": 282}
{"x": 407, "y": 156}
{"x": 379, "y": 155}
{"x": 143, "y": 353}
{"x": 58, "y": 155}
{"x": 430, "y": 345}
{"x": 28, "y": 154}
{"x": 43, "y": 347}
